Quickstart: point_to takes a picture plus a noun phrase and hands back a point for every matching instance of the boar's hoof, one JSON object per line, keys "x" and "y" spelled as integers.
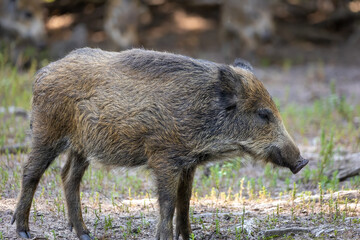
{"x": 86, "y": 237}
{"x": 300, "y": 164}
{"x": 24, "y": 234}
{"x": 70, "y": 226}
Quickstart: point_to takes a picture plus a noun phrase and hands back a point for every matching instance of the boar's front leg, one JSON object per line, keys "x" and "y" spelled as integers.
{"x": 183, "y": 227}
{"x": 167, "y": 179}
{"x": 71, "y": 176}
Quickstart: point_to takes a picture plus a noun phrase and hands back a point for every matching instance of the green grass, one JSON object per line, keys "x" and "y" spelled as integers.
{"x": 15, "y": 86}
{"x": 331, "y": 115}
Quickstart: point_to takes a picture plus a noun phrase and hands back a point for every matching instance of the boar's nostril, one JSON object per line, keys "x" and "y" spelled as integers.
{"x": 300, "y": 164}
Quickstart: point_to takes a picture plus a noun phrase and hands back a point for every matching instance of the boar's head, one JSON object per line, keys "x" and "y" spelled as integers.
{"x": 252, "y": 120}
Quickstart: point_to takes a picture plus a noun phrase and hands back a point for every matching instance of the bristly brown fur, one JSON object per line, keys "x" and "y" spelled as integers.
{"x": 138, "y": 107}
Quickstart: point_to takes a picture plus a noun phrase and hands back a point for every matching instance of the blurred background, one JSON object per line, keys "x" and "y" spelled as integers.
{"x": 263, "y": 31}
{"x": 306, "y": 52}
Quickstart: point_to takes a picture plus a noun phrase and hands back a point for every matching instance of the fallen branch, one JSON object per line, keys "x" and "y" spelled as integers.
{"x": 349, "y": 194}
{"x": 317, "y": 232}
{"x": 345, "y": 173}
{"x": 341, "y": 195}
{"x": 283, "y": 231}
{"x": 248, "y": 226}
{"x": 225, "y": 215}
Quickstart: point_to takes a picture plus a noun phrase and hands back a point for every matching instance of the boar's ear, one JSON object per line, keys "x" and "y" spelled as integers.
{"x": 241, "y": 63}
{"x": 227, "y": 88}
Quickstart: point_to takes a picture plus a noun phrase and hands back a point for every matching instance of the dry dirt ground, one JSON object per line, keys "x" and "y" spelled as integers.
{"x": 217, "y": 215}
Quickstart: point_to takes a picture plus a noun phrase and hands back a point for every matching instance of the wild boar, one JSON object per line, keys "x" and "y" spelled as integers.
{"x": 138, "y": 107}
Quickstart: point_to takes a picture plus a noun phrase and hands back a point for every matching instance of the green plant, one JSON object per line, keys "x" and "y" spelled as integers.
{"x": 326, "y": 154}
{"x": 54, "y": 233}
{"x": 108, "y": 223}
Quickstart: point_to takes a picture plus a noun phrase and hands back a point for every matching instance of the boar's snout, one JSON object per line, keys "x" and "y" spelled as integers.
{"x": 287, "y": 157}
{"x": 299, "y": 165}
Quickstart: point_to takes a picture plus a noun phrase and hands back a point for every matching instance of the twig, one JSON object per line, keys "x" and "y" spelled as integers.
{"x": 345, "y": 173}
{"x": 282, "y": 231}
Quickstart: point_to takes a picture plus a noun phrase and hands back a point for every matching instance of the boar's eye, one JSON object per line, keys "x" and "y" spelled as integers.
{"x": 265, "y": 114}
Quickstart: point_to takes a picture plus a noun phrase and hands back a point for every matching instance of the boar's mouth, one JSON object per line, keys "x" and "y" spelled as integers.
{"x": 300, "y": 164}
{"x": 276, "y": 157}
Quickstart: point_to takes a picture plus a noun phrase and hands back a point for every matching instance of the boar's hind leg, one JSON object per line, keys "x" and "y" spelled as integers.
{"x": 183, "y": 227}
{"x": 71, "y": 176}
{"x": 39, "y": 160}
